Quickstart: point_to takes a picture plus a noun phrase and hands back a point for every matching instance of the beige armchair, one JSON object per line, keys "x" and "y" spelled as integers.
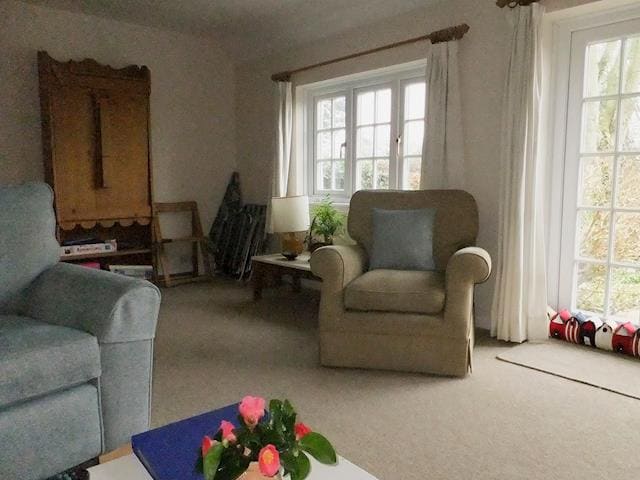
{"x": 419, "y": 321}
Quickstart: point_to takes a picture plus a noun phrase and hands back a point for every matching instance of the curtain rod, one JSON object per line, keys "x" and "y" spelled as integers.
{"x": 514, "y": 3}
{"x": 445, "y": 35}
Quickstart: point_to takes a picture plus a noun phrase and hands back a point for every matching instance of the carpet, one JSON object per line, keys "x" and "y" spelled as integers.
{"x": 215, "y": 344}
{"x": 606, "y": 370}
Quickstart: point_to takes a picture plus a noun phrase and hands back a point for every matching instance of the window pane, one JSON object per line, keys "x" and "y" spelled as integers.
{"x": 323, "y": 149}
{"x": 364, "y": 174}
{"x": 628, "y": 188}
{"x": 590, "y": 282}
{"x": 383, "y": 106}
{"x": 599, "y": 126}
{"x": 412, "y": 167}
{"x": 339, "y": 112}
{"x": 632, "y": 66}
{"x": 593, "y": 234}
{"x": 382, "y": 174}
{"x": 627, "y": 238}
{"x": 338, "y": 175}
{"x": 324, "y": 114}
{"x": 595, "y": 181}
{"x": 338, "y": 141}
{"x": 364, "y": 144}
{"x": 414, "y": 101}
{"x": 603, "y": 69}
{"x": 383, "y": 137}
{"x": 413, "y": 132}
{"x": 630, "y": 111}
{"x": 366, "y": 108}
{"x": 324, "y": 175}
{"x": 625, "y": 294}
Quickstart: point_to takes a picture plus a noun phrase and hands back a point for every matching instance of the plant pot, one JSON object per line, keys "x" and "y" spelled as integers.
{"x": 253, "y": 473}
{"x": 316, "y": 245}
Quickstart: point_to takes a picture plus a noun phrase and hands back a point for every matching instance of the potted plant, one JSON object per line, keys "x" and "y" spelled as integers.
{"x": 327, "y": 222}
{"x": 263, "y": 445}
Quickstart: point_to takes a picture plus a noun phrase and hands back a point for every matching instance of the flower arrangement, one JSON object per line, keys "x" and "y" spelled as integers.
{"x": 274, "y": 440}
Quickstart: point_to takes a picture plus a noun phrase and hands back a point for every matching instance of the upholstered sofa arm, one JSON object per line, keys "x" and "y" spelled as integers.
{"x": 465, "y": 268}
{"x": 339, "y": 264}
{"x": 111, "y": 307}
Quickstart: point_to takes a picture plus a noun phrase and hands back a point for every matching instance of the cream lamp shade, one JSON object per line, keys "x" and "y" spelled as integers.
{"x": 290, "y": 214}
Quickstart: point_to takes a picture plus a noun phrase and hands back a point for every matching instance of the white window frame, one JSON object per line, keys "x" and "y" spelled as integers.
{"x": 565, "y": 141}
{"x": 396, "y": 77}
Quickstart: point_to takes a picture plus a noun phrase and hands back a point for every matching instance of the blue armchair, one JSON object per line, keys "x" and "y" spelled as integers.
{"x": 76, "y": 347}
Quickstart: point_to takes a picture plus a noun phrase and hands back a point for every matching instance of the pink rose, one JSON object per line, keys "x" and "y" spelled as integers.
{"x": 227, "y": 431}
{"x": 269, "y": 461}
{"x": 252, "y": 410}
{"x": 301, "y": 430}
{"x": 207, "y": 443}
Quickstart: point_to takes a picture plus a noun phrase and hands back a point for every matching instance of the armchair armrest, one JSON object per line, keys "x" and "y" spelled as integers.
{"x": 337, "y": 265}
{"x": 122, "y": 313}
{"x": 111, "y": 307}
{"x": 466, "y": 268}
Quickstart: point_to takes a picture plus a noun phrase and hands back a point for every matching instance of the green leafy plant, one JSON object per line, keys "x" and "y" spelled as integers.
{"x": 273, "y": 440}
{"x": 327, "y": 220}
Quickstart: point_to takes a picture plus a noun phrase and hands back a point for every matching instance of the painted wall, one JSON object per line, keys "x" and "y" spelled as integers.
{"x": 483, "y": 57}
{"x": 483, "y": 61}
{"x": 192, "y": 90}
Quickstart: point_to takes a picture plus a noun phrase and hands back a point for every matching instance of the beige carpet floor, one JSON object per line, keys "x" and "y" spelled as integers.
{"x": 215, "y": 345}
{"x": 610, "y": 371}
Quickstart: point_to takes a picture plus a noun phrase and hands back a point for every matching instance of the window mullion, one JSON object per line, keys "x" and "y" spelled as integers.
{"x": 395, "y": 179}
{"x": 614, "y": 183}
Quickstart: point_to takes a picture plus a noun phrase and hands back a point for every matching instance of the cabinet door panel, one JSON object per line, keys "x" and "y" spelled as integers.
{"x": 73, "y": 153}
{"x": 125, "y": 156}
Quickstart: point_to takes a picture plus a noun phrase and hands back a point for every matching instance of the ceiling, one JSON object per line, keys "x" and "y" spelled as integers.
{"x": 247, "y": 28}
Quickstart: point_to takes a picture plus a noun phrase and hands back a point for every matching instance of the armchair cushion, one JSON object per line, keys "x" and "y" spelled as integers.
{"x": 397, "y": 291}
{"x": 38, "y": 358}
{"x": 402, "y": 239}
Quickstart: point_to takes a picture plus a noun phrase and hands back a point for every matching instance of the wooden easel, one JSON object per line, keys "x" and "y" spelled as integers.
{"x": 196, "y": 238}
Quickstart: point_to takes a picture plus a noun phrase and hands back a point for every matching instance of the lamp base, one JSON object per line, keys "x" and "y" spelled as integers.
{"x": 291, "y": 246}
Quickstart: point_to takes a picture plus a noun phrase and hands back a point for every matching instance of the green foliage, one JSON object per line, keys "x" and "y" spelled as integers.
{"x": 297, "y": 465}
{"x": 327, "y": 220}
{"x": 319, "y": 447}
{"x": 212, "y": 460}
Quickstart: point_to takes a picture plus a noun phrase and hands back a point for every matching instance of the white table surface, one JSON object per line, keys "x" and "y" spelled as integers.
{"x": 301, "y": 262}
{"x": 130, "y": 468}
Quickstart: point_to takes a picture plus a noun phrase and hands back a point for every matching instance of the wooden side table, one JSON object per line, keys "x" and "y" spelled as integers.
{"x": 269, "y": 269}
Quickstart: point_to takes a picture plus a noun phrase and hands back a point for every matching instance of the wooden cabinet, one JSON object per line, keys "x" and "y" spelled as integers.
{"x": 95, "y": 131}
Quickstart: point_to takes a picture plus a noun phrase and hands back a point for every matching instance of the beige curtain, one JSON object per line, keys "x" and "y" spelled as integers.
{"x": 520, "y": 298}
{"x": 283, "y": 183}
{"x": 443, "y": 145}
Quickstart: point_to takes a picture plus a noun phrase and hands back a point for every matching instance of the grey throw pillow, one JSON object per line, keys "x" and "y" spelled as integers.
{"x": 402, "y": 239}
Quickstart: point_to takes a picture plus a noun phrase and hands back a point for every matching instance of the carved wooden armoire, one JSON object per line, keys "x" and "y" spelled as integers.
{"x": 95, "y": 132}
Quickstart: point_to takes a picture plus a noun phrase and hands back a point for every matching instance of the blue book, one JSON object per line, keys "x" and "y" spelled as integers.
{"x": 172, "y": 452}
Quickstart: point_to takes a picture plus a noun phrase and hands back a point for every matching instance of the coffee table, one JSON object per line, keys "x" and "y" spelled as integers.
{"x": 129, "y": 467}
{"x": 270, "y": 268}
{"x": 173, "y": 450}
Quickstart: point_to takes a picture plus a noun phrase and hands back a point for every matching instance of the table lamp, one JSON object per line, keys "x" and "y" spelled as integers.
{"x": 290, "y": 217}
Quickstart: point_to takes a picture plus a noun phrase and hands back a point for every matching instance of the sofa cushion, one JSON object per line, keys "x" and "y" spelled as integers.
{"x": 28, "y": 244}
{"x": 397, "y": 291}
{"x": 38, "y": 358}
